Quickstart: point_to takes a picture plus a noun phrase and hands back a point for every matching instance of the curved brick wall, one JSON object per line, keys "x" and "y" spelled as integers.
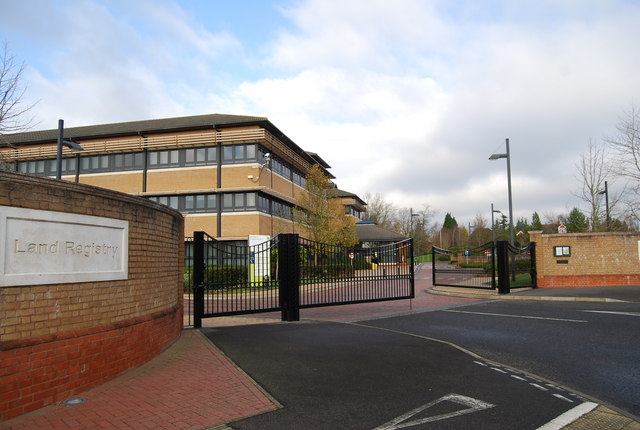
{"x": 58, "y": 340}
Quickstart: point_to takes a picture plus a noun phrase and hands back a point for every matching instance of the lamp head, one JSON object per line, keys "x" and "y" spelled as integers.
{"x": 72, "y": 145}
{"x": 497, "y": 156}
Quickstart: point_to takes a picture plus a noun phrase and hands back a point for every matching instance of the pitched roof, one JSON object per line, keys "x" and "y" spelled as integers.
{"x": 195, "y": 122}
{"x": 336, "y": 192}
{"x": 368, "y": 231}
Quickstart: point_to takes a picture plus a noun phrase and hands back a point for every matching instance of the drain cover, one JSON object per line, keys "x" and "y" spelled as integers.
{"x": 74, "y": 401}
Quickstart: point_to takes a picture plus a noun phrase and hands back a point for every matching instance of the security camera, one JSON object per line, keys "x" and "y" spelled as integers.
{"x": 267, "y": 155}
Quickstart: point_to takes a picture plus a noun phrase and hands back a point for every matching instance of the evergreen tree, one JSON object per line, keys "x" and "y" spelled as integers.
{"x": 536, "y": 224}
{"x": 576, "y": 222}
{"x": 449, "y": 221}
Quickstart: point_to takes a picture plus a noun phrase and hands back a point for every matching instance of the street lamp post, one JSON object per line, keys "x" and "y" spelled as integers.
{"x": 493, "y": 225}
{"x": 507, "y": 155}
{"x": 411, "y": 215}
{"x": 606, "y": 200}
{"x": 61, "y": 143}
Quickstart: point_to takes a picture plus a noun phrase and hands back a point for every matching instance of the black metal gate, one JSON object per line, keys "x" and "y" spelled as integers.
{"x": 287, "y": 273}
{"x": 489, "y": 266}
{"x": 473, "y": 268}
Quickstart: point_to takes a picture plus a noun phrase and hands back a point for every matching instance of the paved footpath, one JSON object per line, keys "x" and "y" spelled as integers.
{"x": 191, "y": 385}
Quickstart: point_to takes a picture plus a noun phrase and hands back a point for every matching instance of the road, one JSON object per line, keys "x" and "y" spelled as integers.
{"x": 593, "y": 348}
{"x": 359, "y": 376}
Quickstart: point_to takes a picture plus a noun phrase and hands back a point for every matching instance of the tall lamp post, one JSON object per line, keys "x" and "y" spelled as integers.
{"x": 61, "y": 143}
{"x": 507, "y": 155}
{"x": 606, "y": 200}
{"x": 411, "y": 215}
{"x": 493, "y": 225}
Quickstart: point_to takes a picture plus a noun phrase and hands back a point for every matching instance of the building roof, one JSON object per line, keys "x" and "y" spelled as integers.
{"x": 369, "y": 231}
{"x": 336, "y": 192}
{"x": 197, "y": 122}
{"x": 162, "y": 125}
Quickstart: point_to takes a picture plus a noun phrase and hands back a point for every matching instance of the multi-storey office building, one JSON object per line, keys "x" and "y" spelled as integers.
{"x": 231, "y": 176}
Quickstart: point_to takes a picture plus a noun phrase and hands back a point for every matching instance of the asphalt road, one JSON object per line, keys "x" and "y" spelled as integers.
{"x": 593, "y": 348}
{"x": 378, "y": 375}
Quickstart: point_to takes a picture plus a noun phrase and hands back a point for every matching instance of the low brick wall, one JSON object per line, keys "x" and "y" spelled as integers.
{"x": 58, "y": 340}
{"x": 592, "y": 260}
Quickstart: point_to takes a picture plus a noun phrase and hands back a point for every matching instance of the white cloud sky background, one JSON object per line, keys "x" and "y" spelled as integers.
{"x": 406, "y": 98}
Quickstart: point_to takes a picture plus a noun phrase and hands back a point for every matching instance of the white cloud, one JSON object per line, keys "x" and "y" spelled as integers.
{"x": 406, "y": 99}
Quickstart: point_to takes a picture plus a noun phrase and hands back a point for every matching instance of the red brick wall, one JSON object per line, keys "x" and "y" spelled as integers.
{"x": 59, "y": 340}
{"x": 596, "y": 260}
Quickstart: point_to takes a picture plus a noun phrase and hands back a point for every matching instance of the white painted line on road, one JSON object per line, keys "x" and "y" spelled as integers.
{"x": 515, "y": 316}
{"x": 473, "y": 405}
{"x": 480, "y": 363}
{"x": 519, "y": 378}
{"x": 561, "y": 397}
{"x": 630, "y": 314}
{"x": 498, "y": 370}
{"x": 570, "y": 416}
{"x": 539, "y": 387}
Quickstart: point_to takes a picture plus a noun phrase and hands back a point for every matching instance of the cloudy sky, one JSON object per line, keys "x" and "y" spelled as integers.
{"x": 405, "y": 98}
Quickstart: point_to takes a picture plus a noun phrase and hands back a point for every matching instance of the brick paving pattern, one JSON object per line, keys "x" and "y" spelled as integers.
{"x": 191, "y": 385}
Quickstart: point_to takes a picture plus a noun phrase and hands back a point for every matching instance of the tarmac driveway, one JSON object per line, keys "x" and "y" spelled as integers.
{"x": 336, "y": 375}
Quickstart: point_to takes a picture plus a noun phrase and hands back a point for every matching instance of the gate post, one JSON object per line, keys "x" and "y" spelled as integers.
{"x": 503, "y": 267}
{"x": 433, "y": 265}
{"x": 289, "y": 276}
{"x": 198, "y": 278}
{"x": 533, "y": 270}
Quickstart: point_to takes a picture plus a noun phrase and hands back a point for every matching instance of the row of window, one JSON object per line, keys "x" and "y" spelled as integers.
{"x": 231, "y": 202}
{"x": 169, "y": 158}
{"x": 350, "y": 210}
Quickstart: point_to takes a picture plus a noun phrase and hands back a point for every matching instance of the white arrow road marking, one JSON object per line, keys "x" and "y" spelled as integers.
{"x": 516, "y": 316}
{"x": 473, "y": 405}
{"x": 630, "y": 314}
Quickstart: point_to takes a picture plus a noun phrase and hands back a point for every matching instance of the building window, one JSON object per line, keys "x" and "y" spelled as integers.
{"x": 163, "y": 159}
{"x": 231, "y": 202}
{"x": 235, "y": 154}
{"x": 48, "y": 167}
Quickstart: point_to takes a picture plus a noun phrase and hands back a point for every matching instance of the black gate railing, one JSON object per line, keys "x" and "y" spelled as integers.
{"x": 487, "y": 267}
{"x": 474, "y": 268}
{"x": 332, "y": 275}
{"x": 287, "y": 273}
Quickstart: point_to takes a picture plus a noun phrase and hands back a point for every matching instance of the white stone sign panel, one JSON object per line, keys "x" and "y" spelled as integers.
{"x": 44, "y": 247}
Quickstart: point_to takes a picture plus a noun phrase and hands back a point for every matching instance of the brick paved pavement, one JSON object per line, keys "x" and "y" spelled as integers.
{"x": 191, "y": 385}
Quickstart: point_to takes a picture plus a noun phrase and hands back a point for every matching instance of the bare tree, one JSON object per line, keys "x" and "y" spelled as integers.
{"x": 13, "y": 112}
{"x": 592, "y": 171}
{"x": 626, "y": 147}
{"x": 380, "y": 211}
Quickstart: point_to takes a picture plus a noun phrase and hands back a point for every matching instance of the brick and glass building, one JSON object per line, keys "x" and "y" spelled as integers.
{"x": 231, "y": 176}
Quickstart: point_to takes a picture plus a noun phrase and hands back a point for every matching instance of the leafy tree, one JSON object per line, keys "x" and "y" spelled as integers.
{"x": 324, "y": 218}
{"x": 576, "y": 222}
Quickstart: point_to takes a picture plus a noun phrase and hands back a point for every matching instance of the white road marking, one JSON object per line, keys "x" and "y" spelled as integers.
{"x": 539, "y": 387}
{"x": 519, "y": 378}
{"x": 561, "y": 397}
{"x": 498, "y": 370}
{"x": 570, "y": 416}
{"x": 515, "y": 316}
{"x": 630, "y": 314}
{"x": 473, "y": 405}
